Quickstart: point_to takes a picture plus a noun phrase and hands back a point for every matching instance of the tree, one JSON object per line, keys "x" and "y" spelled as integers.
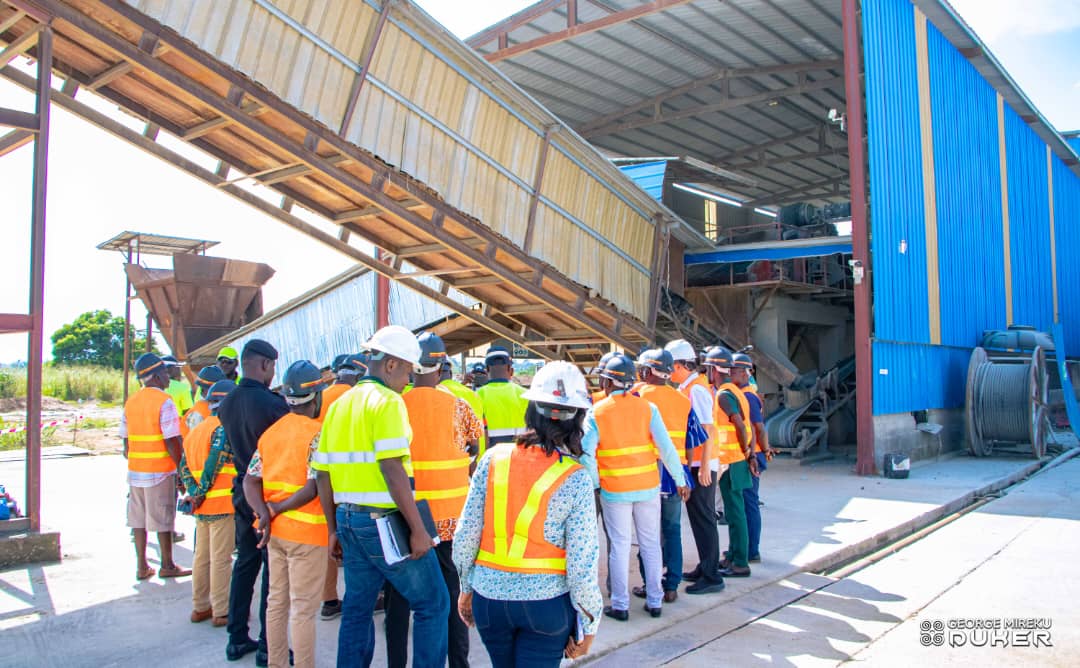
{"x": 95, "y": 337}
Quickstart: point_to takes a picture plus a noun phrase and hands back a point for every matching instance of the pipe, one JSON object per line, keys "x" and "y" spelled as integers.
{"x": 382, "y": 294}
{"x": 860, "y": 241}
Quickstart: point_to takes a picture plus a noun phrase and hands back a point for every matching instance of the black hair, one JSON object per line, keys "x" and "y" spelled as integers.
{"x": 690, "y": 365}
{"x": 552, "y": 434}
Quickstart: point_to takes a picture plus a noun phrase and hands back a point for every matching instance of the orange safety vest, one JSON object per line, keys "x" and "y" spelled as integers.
{"x": 196, "y": 450}
{"x": 674, "y": 408}
{"x": 598, "y": 396}
{"x": 440, "y": 468}
{"x": 284, "y": 449}
{"x": 700, "y": 380}
{"x": 521, "y": 481}
{"x": 146, "y": 444}
{"x": 330, "y": 395}
{"x": 195, "y": 415}
{"x": 730, "y": 450}
{"x": 626, "y": 455}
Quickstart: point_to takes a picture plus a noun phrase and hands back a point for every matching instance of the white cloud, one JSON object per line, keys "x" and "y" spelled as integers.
{"x": 994, "y": 20}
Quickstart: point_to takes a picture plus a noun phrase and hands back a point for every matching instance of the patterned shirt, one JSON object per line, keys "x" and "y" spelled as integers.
{"x": 170, "y": 428}
{"x": 467, "y": 427}
{"x": 570, "y": 524}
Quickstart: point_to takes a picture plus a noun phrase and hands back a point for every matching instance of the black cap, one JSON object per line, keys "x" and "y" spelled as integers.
{"x": 260, "y": 347}
{"x": 147, "y": 364}
{"x": 497, "y": 355}
{"x": 478, "y": 367}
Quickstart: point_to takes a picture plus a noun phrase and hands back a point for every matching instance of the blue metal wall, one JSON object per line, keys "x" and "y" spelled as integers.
{"x": 895, "y": 153}
{"x": 923, "y": 338}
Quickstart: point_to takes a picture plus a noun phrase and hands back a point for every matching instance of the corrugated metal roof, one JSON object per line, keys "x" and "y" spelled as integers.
{"x": 649, "y": 176}
{"x": 773, "y": 250}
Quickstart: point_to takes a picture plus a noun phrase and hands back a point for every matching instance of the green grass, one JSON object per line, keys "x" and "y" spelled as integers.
{"x": 69, "y": 383}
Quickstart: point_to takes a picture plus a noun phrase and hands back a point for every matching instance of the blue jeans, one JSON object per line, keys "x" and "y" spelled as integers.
{"x": 753, "y": 511}
{"x": 670, "y": 541}
{"x": 420, "y": 582}
{"x": 524, "y": 634}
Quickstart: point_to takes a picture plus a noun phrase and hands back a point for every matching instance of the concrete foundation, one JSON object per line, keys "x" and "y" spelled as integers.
{"x": 898, "y": 433}
{"x": 29, "y": 548}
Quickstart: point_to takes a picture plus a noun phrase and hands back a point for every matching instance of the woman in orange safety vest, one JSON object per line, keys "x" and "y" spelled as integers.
{"x": 526, "y": 546}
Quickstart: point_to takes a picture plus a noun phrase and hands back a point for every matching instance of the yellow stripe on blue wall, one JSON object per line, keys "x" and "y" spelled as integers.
{"x": 1003, "y": 156}
{"x": 1053, "y": 238}
{"x": 926, "y": 132}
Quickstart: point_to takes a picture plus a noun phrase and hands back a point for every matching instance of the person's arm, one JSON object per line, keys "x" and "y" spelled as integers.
{"x": 668, "y": 454}
{"x": 191, "y": 487}
{"x": 467, "y": 427}
{"x": 590, "y": 439}
{"x": 169, "y": 420}
{"x": 582, "y": 559}
{"x": 253, "y": 494}
{"x": 122, "y": 431}
{"x": 326, "y": 493}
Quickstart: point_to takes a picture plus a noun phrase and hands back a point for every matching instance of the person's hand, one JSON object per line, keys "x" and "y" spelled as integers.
{"x": 575, "y": 649}
{"x": 196, "y": 501}
{"x": 704, "y": 476}
{"x": 752, "y": 461}
{"x": 769, "y": 454}
{"x": 335, "y": 548}
{"x": 464, "y": 608}
{"x": 419, "y": 544}
{"x": 263, "y": 529}
{"x": 684, "y": 493}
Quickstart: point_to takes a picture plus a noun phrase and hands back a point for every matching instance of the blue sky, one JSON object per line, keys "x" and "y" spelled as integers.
{"x": 99, "y": 186}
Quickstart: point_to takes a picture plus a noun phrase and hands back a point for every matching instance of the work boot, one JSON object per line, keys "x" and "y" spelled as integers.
{"x": 653, "y": 612}
{"x": 692, "y": 576}
{"x": 671, "y": 596}
{"x": 639, "y": 592}
{"x": 200, "y": 616}
{"x": 735, "y": 572}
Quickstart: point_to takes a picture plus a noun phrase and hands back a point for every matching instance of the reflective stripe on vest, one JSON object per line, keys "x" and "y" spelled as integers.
{"x": 284, "y": 449}
{"x": 440, "y": 468}
{"x": 625, "y": 455}
{"x": 674, "y": 409}
{"x": 504, "y": 410}
{"x": 729, "y": 450}
{"x": 521, "y": 481}
{"x": 218, "y": 499}
{"x": 146, "y": 444}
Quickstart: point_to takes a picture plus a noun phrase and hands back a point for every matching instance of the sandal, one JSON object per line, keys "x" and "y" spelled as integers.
{"x": 144, "y": 574}
{"x": 174, "y": 572}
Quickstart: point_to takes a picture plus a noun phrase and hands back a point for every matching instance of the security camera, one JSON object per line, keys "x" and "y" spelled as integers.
{"x": 837, "y": 118}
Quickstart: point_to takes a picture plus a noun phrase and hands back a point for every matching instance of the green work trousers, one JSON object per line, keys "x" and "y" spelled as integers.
{"x": 732, "y": 483}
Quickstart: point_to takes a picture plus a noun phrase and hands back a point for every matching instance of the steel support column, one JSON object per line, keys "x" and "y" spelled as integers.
{"x": 37, "y": 280}
{"x": 860, "y": 240}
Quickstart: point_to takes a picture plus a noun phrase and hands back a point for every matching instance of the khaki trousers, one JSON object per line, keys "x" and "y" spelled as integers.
{"x": 329, "y": 592}
{"x": 297, "y": 572}
{"x": 211, "y": 572}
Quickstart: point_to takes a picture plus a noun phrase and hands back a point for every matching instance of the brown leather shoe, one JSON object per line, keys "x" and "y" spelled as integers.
{"x": 200, "y": 616}
{"x": 220, "y": 621}
{"x": 671, "y": 596}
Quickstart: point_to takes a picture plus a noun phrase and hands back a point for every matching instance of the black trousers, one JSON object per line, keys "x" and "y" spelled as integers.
{"x": 701, "y": 509}
{"x": 249, "y": 561}
{"x": 397, "y": 617}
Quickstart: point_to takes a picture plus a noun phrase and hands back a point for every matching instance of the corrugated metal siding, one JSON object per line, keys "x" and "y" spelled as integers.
{"x": 910, "y": 376}
{"x": 1029, "y": 225}
{"x": 968, "y": 175}
{"x": 967, "y": 162}
{"x": 435, "y": 110}
{"x": 896, "y": 186}
{"x": 1074, "y": 142}
{"x": 341, "y": 320}
{"x": 1067, "y": 242}
{"x": 649, "y": 176}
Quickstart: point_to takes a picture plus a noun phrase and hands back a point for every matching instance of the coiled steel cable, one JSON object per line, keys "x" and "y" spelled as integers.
{"x": 1003, "y": 401}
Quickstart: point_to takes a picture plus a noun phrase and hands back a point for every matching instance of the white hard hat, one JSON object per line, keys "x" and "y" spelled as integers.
{"x": 396, "y": 341}
{"x": 559, "y": 383}
{"x": 681, "y": 351}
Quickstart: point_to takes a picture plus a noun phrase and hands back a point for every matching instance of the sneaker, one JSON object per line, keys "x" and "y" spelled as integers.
{"x": 330, "y": 609}
{"x": 705, "y": 587}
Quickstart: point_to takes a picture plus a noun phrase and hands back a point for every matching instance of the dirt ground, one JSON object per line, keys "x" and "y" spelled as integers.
{"x": 85, "y": 425}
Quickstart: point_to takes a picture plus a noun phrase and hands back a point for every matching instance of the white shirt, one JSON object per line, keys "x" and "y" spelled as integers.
{"x": 701, "y": 400}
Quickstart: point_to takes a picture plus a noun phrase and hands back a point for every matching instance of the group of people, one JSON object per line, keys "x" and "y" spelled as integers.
{"x": 500, "y": 488}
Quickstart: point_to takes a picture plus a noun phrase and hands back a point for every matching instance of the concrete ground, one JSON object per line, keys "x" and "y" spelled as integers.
{"x": 1014, "y": 557}
{"x": 88, "y": 610}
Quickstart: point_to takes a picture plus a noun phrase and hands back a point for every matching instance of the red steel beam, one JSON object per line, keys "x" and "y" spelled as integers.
{"x": 11, "y": 323}
{"x": 37, "y": 281}
{"x": 510, "y": 23}
{"x": 865, "y": 463}
{"x": 583, "y": 29}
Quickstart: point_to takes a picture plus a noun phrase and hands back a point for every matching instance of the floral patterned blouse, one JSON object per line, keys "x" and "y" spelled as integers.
{"x": 570, "y": 524}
